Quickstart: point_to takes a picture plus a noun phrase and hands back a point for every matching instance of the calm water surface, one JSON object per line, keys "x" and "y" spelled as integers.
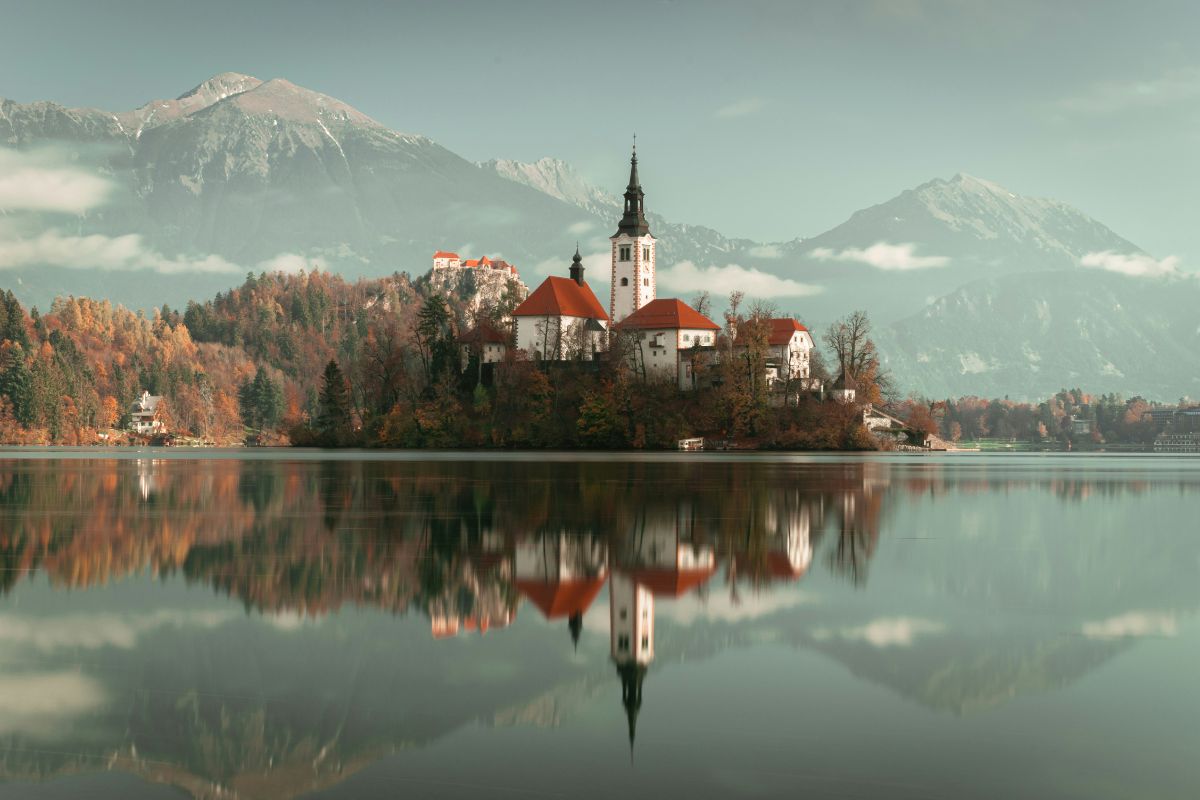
{"x": 287, "y": 624}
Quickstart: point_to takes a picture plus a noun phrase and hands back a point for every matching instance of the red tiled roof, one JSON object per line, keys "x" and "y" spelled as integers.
{"x": 780, "y": 331}
{"x": 471, "y": 262}
{"x": 563, "y": 599}
{"x": 673, "y": 582}
{"x": 561, "y": 297}
{"x": 667, "y": 313}
{"x": 780, "y": 566}
{"x": 484, "y": 333}
{"x": 445, "y": 254}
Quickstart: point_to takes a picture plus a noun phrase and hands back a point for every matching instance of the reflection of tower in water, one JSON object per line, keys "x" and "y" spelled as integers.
{"x": 631, "y": 613}
{"x": 662, "y": 559}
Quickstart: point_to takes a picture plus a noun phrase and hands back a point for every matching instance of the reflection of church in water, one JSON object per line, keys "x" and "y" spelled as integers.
{"x": 662, "y": 558}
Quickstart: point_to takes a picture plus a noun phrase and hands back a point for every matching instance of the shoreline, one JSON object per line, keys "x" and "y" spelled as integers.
{"x": 49, "y": 452}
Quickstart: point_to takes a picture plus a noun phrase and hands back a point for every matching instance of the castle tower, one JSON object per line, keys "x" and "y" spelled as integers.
{"x": 634, "y": 277}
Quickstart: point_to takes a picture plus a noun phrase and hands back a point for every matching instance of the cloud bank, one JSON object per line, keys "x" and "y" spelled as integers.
{"x": 1137, "y": 265}
{"x": 34, "y": 181}
{"x": 884, "y": 632}
{"x": 96, "y": 631}
{"x": 766, "y": 251}
{"x": 45, "y": 704}
{"x": 882, "y": 255}
{"x": 96, "y": 251}
{"x": 686, "y": 277}
{"x": 1135, "y": 624}
{"x": 129, "y": 252}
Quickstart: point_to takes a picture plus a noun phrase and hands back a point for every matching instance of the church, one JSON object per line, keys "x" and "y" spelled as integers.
{"x": 660, "y": 338}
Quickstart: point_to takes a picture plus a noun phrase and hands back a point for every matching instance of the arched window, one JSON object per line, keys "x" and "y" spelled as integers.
{"x": 624, "y": 281}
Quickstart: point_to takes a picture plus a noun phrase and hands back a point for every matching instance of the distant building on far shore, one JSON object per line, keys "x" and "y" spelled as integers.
{"x": 144, "y": 415}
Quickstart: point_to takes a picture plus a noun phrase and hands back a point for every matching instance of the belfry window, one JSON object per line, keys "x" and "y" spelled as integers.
{"x": 626, "y": 252}
{"x": 645, "y": 252}
{"x": 624, "y": 281}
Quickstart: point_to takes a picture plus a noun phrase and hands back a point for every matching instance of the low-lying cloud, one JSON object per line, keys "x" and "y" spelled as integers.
{"x": 766, "y": 251}
{"x": 39, "y": 181}
{"x": 291, "y": 263}
{"x": 686, "y": 277}
{"x": 1138, "y": 265}
{"x": 1135, "y": 624}
{"x": 884, "y": 632}
{"x": 45, "y": 704}
{"x": 127, "y": 252}
{"x": 96, "y": 631}
{"x": 882, "y": 255}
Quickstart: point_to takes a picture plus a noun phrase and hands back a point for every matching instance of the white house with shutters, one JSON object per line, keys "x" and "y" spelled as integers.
{"x": 144, "y": 415}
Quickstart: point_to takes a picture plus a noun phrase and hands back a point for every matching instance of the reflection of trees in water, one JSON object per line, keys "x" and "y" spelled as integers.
{"x": 311, "y": 536}
{"x": 443, "y": 539}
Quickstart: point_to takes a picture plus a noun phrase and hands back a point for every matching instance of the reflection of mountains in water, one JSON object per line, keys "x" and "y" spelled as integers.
{"x": 462, "y": 547}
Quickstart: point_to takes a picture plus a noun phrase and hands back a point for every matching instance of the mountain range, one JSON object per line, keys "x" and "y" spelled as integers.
{"x": 974, "y": 289}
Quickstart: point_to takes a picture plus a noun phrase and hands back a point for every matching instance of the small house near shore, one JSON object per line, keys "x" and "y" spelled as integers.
{"x": 144, "y": 415}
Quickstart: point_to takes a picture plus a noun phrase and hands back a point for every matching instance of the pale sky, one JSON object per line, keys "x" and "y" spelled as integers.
{"x": 768, "y": 120}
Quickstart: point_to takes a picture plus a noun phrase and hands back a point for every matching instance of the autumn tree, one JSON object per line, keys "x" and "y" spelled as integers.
{"x": 852, "y": 348}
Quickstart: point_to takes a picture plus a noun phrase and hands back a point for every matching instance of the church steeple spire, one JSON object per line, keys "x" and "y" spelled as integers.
{"x": 577, "y": 266}
{"x": 633, "y": 222}
{"x": 631, "y": 675}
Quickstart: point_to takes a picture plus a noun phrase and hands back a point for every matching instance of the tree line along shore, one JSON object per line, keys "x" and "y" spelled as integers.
{"x": 312, "y": 359}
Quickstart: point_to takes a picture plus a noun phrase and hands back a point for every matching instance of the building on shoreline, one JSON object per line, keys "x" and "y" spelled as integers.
{"x": 145, "y": 415}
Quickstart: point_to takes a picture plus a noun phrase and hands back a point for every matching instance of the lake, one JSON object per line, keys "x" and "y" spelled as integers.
{"x": 263, "y": 624}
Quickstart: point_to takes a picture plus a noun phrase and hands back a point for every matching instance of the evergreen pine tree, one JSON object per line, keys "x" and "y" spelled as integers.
{"x": 333, "y": 413}
{"x": 16, "y": 383}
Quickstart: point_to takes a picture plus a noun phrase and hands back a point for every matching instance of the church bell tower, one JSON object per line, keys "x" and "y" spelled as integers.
{"x": 634, "y": 277}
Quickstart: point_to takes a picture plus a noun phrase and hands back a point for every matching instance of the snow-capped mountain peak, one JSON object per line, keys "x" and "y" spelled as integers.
{"x": 966, "y": 216}
{"x": 220, "y": 86}
{"x": 282, "y": 99}
{"x": 558, "y": 179}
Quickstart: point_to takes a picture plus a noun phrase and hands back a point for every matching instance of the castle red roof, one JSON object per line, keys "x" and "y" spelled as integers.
{"x": 445, "y": 254}
{"x": 471, "y": 262}
{"x": 561, "y": 297}
{"x": 562, "y": 599}
{"x": 667, "y": 313}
